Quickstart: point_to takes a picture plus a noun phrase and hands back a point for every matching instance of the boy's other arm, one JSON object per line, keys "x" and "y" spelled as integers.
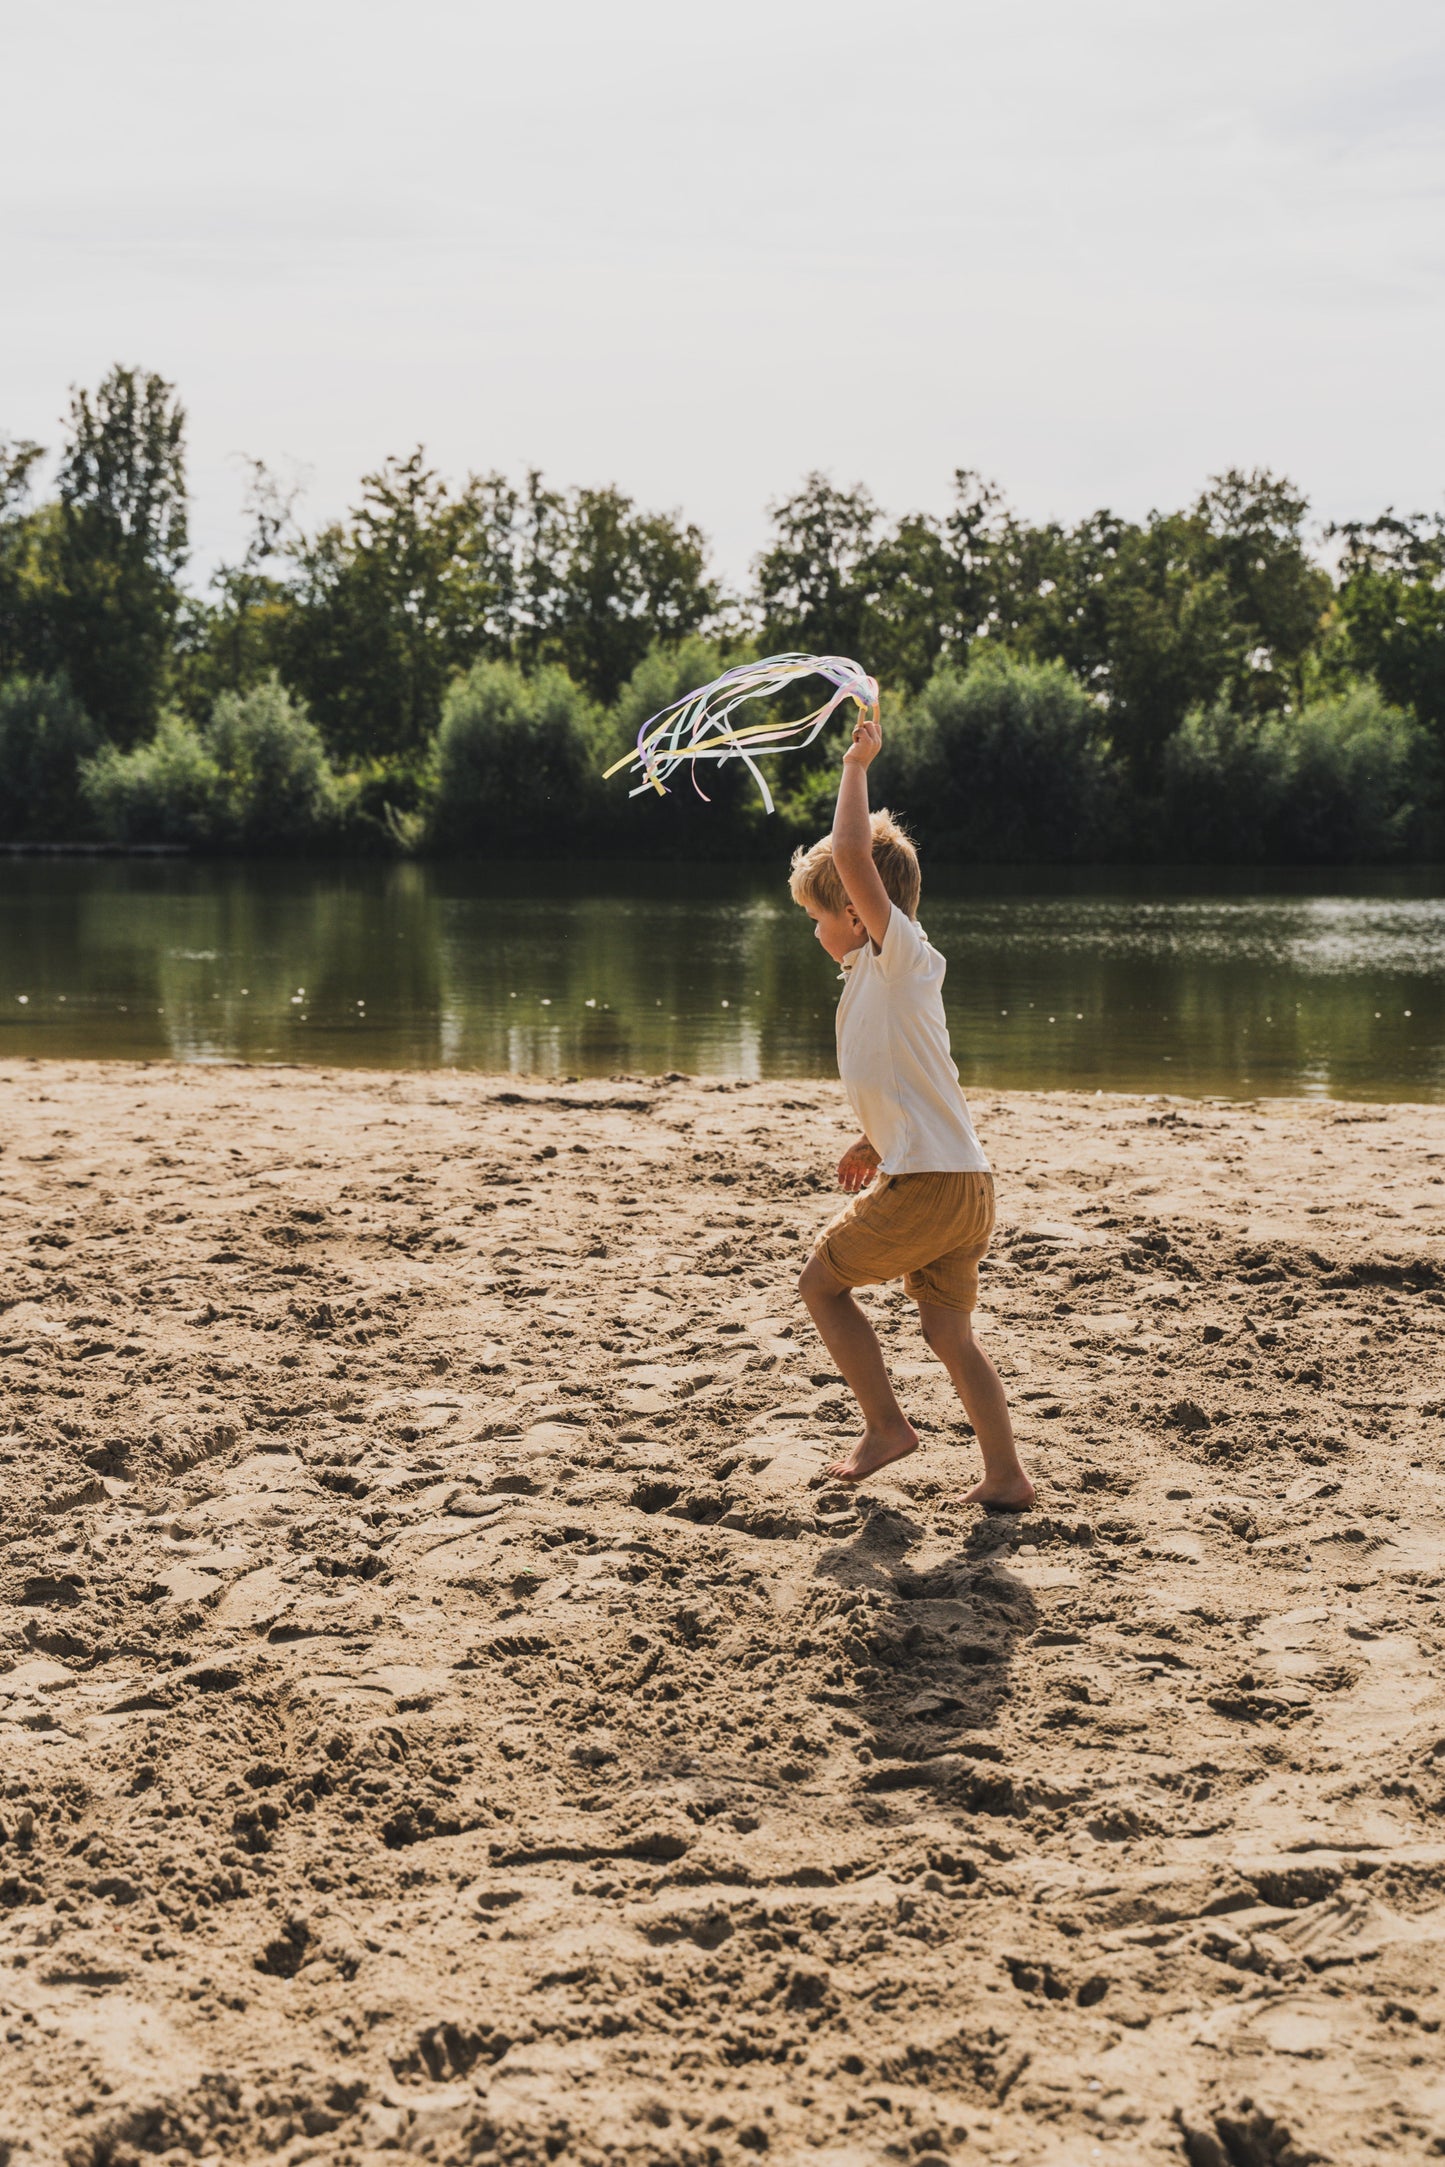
{"x": 853, "y": 831}
{"x": 857, "y": 1166}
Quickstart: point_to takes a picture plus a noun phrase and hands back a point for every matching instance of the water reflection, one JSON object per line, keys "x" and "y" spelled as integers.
{"x": 1237, "y": 985}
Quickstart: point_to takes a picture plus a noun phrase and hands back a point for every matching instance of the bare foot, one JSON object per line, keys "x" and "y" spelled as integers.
{"x": 1015, "y": 1493}
{"x": 875, "y": 1449}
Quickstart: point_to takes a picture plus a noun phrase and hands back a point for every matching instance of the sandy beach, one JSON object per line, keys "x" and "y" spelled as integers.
{"x": 442, "y": 1709}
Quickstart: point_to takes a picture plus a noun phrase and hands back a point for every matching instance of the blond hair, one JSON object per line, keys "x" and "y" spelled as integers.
{"x": 813, "y": 877}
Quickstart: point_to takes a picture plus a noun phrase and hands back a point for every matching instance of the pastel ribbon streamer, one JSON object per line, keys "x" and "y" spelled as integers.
{"x": 699, "y": 726}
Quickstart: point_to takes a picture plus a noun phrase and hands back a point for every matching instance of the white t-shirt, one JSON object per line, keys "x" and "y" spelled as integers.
{"x": 894, "y": 1057}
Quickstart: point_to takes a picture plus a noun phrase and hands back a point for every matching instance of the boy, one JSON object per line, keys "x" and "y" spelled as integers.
{"x": 923, "y": 1194}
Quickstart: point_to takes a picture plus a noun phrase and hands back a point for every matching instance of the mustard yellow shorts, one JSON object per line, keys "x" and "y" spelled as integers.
{"x": 930, "y": 1230}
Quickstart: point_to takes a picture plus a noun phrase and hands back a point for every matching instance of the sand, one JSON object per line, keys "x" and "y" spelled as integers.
{"x": 441, "y": 1713}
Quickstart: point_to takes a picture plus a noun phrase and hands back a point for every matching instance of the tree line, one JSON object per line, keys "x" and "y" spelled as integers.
{"x": 451, "y": 665}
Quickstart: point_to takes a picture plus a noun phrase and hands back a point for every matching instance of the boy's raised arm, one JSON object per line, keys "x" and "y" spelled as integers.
{"x": 853, "y": 831}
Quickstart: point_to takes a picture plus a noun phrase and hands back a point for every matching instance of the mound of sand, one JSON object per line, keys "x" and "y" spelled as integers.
{"x": 440, "y": 1711}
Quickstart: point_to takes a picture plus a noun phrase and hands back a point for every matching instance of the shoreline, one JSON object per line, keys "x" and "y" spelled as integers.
{"x": 442, "y": 1704}
{"x": 495, "y": 1084}
{"x": 96, "y": 850}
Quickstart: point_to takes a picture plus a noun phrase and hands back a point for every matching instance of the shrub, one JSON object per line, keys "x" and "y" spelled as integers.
{"x": 45, "y": 736}
{"x": 1341, "y": 781}
{"x": 165, "y": 791}
{"x": 276, "y": 787}
{"x": 1006, "y": 762}
{"x": 518, "y": 761}
{"x": 255, "y": 778}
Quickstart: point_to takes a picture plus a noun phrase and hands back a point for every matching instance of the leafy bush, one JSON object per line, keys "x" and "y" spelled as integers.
{"x": 277, "y": 787}
{"x": 255, "y": 778}
{"x": 1006, "y": 762}
{"x": 1342, "y": 781}
{"x": 518, "y": 761}
{"x": 45, "y": 735}
{"x": 165, "y": 791}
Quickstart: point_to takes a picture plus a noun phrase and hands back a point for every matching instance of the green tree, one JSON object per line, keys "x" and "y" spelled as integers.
{"x": 18, "y": 459}
{"x": 1392, "y": 608}
{"x": 385, "y": 607}
{"x": 1254, "y": 525}
{"x": 1155, "y": 618}
{"x": 1044, "y": 591}
{"x": 121, "y": 542}
{"x": 623, "y": 582}
{"x": 913, "y": 616}
{"x": 901, "y": 601}
{"x": 45, "y": 737}
{"x": 1170, "y": 634}
{"x": 374, "y": 616}
{"x": 27, "y": 615}
{"x": 236, "y": 638}
{"x": 810, "y": 591}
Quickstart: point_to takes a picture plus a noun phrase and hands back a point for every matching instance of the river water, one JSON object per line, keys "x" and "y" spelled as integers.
{"x": 1240, "y": 984}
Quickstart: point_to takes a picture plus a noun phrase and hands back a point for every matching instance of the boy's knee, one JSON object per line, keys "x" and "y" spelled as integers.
{"x": 943, "y": 1327}
{"x": 815, "y": 1282}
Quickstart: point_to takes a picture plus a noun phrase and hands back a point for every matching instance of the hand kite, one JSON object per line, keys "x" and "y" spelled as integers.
{"x": 699, "y": 726}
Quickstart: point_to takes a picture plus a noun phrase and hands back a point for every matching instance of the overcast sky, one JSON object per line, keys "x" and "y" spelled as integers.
{"x": 1097, "y": 248}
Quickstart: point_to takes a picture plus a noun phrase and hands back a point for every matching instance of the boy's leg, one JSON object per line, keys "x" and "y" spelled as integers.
{"x": 853, "y": 1344}
{"x": 949, "y": 1333}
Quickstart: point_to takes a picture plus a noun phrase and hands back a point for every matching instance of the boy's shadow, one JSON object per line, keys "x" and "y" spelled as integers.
{"x": 925, "y": 1659}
